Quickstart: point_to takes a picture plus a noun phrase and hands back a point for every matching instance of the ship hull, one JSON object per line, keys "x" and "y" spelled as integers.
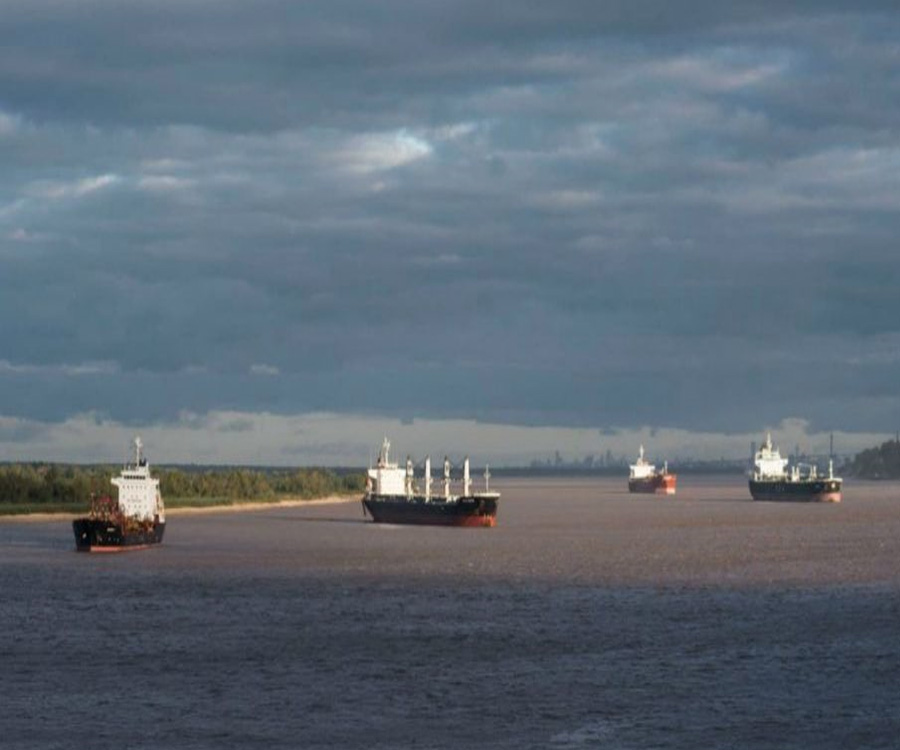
{"x": 472, "y": 511}
{"x": 811, "y": 491}
{"x": 658, "y": 484}
{"x": 97, "y": 535}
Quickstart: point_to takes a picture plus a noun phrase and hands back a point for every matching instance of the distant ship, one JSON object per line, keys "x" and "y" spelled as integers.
{"x": 393, "y": 496}
{"x": 772, "y": 479}
{"x": 134, "y": 520}
{"x": 644, "y": 477}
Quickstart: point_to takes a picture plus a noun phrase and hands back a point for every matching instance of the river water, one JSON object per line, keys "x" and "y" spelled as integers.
{"x": 586, "y": 618}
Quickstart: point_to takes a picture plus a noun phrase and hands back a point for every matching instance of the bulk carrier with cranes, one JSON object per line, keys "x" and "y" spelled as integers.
{"x": 393, "y": 495}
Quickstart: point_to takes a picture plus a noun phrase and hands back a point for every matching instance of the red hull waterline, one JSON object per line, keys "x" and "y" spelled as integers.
{"x": 479, "y": 521}
{"x": 94, "y": 550}
{"x": 661, "y": 484}
{"x": 467, "y": 512}
{"x": 459, "y": 521}
{"x": 818, "y": 497}
{"x": 470, "y": 522}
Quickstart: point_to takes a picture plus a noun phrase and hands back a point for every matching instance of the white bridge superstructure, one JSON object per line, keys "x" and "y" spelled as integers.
{"x": 139, "y": 496}
{"x": 642, "y": 468}
{"x": 392, "y": 480}
{"x": 768, "y": 463}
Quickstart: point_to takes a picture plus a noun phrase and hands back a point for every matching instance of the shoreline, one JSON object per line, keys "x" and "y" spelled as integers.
{"x": 193, "y": 510}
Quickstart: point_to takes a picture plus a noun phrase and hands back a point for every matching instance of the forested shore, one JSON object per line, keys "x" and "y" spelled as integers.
{"x": 882, "y": 462}
{"x": 37, "y": 487}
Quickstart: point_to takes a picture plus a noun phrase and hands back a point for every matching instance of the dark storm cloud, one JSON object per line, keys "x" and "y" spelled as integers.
{"x": 276, "y": 64}
{"x": 578, "y": 214}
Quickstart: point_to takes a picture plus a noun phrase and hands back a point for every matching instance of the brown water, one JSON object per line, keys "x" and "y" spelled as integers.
{"x": 587, "y": 618}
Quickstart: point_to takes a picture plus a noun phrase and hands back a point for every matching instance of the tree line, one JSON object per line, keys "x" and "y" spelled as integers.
{"x": 882, "y": 462}
{"x": 62, "y": 484}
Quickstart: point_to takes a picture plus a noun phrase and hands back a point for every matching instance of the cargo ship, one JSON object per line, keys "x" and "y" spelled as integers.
{"x": 644, "y": 477}
{"x": 393, "y": 495}
{"x": 135, "y": 519}
{"x": 772, "y": 479}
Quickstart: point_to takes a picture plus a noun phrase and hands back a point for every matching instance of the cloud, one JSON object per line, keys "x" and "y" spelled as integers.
{"x": 438, "y": 261}
{"x": 265, "y": 370}
{"x": 585, "y": 216}
{"x": 12, "y": 208}
{"x": 377, "y": 152}
{"x": 9, "y": 124}
{"x": 164, "y": 183}
{"x": 66, "y": 370}
{"x": 75, "y": 189}
{"x": 716, "y": 74}
{"x": 455, "y": 131}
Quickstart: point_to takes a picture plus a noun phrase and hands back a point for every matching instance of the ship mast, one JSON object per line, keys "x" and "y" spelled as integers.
{"x": 383, "y": 454}
{"x": 446, "y": 478}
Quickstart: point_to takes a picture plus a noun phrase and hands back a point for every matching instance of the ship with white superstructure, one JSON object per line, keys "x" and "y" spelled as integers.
{"x": 771, "y": 478}
{"x": 395, "y": 495}
{"x": 643, "y": 476}
{"x": 134, "y": 519}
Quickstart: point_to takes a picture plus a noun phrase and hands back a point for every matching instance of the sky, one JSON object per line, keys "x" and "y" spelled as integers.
{"x": 273, "y": 232}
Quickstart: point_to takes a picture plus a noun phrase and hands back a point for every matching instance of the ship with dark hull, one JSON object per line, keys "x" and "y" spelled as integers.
{"x": 771, "y": 479}
{"x": 393, "y": 495}
{"x": 134, "y": 519}
{"x": 644, "y": 477}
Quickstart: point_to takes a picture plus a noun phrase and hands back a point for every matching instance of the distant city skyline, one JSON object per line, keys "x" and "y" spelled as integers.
{"x": 336, "y": 440}
{"x": 271, "y": 232}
